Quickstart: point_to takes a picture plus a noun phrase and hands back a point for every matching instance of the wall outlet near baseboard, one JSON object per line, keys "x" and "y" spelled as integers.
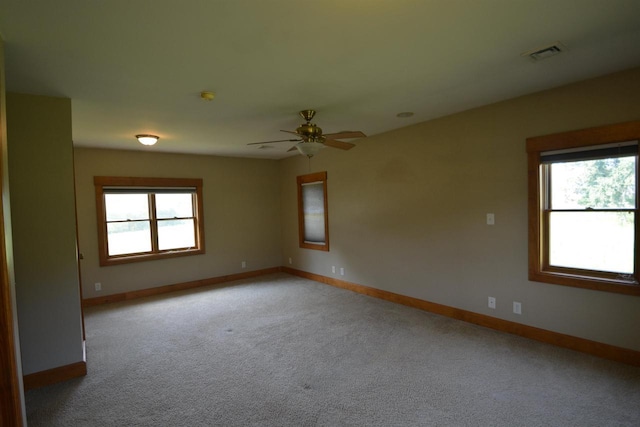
{"x": 333, "y": 269}
{"x": 244, "y": 264}
{"x": 517, "y": 307}
{"x": 98, "y": 286}
{"x": 342, "y": 271}
{"x": 492, "y": 302}
{"x": 290, "y": 260}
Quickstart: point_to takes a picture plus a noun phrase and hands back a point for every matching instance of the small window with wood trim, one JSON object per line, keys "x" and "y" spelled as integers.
{"x": 141, "y": 219}
{"x": 583, "y": 207}
{"x": 313, "y": 216}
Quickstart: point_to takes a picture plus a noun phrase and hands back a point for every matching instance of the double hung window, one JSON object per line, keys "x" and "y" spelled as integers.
{"x": 313, "y": 217}
{"x": 148, "y": 218}
{"x": 583, "y": 208}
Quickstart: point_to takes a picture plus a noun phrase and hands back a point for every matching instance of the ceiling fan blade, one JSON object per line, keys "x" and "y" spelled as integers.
{"x": 345, "y": 135}
{"x": 269, "y": 142}
{"x": 292, "y": 149}
{"x": 289, "y": 131}
{"x": 338, "y": 144}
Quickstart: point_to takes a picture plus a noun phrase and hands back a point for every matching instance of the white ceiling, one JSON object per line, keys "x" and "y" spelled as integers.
{"x": 138, "y": 66}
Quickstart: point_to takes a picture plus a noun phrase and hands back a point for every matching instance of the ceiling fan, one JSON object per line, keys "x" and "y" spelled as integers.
{"x": 310, "y": 139}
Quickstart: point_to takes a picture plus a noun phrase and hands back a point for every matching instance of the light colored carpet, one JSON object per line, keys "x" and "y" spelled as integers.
{"x": 283, "y": 351}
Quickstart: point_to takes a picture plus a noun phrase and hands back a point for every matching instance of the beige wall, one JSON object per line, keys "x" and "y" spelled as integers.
{"x": 407, "y": 210}
{"x": 241, "y": 210}
{"x": 43, "y": 225}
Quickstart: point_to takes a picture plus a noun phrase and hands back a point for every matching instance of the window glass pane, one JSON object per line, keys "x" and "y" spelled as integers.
{"x": 174, "y": 234}
{"x": 313, "y": 208}
{"x": 121, "y": 207}
{"x": 598, "y": 184}
{"x": 128, "y": 237}
{"x": 601, "y": 241}
{"x": 174, "y": 205}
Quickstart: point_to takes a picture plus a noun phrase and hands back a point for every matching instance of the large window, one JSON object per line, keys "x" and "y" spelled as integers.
{"x": 148, "y": 218}
{"x": 583, "y": 208}
{"x": 313, "y": 218}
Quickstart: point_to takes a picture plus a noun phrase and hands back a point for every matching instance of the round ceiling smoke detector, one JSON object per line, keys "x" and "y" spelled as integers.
{"x": 207, "y": 96}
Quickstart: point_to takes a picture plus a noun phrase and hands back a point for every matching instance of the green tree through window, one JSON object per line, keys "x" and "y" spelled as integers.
{"x": 608, "y": 182}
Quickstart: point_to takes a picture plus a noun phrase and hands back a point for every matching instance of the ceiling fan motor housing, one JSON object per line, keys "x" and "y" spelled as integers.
{"x": 309, "y": 131}
{"x": 311, "y": 138}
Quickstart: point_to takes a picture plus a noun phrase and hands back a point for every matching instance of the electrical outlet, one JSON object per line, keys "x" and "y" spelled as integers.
{"x": 342, "y": 271}
{"x": 290, "y": 260}
{"x": 517, "y": 307}
{"x": 98, "y": 286}
{"x": 333, "y": 269}
{"x": 492, "y": 302}
{"x": 244, "y": 264}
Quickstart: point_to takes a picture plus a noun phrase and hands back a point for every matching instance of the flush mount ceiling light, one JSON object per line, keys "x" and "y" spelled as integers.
{"x": 147, "y": 139}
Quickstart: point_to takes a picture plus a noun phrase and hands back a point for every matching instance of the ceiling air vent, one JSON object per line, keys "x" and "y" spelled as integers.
{"x": 545, "y": 52}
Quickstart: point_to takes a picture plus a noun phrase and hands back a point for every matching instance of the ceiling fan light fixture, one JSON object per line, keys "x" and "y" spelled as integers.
{"x": 309, "y": 149}
{"x": 147, "y": 139}
{"x": 310, "y": 138}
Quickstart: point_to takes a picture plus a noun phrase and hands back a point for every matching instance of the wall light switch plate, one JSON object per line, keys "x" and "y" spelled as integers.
{"x": 491, "y": 219}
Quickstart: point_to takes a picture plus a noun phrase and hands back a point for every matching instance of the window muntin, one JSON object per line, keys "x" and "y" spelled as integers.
{"x": 313, "y": 223}
{"x": 583, "y": 229}
{"x": 148, "y": 218}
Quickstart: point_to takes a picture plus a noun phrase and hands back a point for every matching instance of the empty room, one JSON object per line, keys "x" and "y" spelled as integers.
{"x": 330, "y": 213}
